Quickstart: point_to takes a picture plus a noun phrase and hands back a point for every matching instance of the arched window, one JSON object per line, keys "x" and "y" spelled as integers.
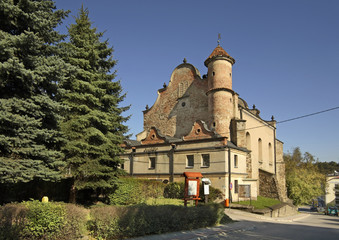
{"x": 270, "y": 154}
{"x": 248, "y": 141}
{"x": 260, "y": 150}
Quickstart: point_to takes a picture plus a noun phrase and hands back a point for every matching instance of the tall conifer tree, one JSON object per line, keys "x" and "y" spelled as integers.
{"x": 30, "y": 70}
{"x": 95, "y": 125}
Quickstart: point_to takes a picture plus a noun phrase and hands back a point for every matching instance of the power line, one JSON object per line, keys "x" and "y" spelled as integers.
{"x": 308, "y": 115}
{"x": 295, "y": 118}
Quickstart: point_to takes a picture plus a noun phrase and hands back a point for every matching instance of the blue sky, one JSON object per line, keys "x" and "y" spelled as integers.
{"x": 286, "y": 52}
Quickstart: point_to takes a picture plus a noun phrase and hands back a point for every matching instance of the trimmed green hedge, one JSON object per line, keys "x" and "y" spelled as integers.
{"x": 131, "y": 191}
{"x": 37, "y": 220}
{"x": 114, "y": 222}
{"x": 59, "y": 221}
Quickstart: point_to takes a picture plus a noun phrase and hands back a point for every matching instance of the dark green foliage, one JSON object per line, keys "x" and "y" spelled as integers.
{"x": 177, "y": 190}
{"x": 327, "y": 167}
{"x": 94, "y": 124}
{"x": 214, "y": 194}
{"x": 30, "y": 69}
{"x": 36, "y": 189}
{"x": 125, "y": 222}
{"x": 174, "y": 190}
{"x": 37, "y": 220}
{"x": 12, "y": 221}
{"x": 129, "y": 191}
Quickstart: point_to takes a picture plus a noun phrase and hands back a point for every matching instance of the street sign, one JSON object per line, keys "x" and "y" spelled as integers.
{"x": 231, "y": 186}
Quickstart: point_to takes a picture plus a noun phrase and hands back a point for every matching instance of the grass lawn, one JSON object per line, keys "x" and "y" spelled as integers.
{"x": 165, "y": 201}
{"x": 262, "y": 202}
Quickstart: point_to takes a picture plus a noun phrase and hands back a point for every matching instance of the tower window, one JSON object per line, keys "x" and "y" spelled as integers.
{"x": 213, "y": 73}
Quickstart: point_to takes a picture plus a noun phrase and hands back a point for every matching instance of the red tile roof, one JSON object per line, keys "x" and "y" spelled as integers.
{"x": 219, "y": 51}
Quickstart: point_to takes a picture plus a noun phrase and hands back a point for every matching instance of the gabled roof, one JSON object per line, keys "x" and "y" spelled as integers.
{"x": 219, "y": 52}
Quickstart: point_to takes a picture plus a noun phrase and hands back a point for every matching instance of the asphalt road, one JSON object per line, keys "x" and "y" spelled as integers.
{"x": 305, "y": 225}
{"x": 309, "y": 226}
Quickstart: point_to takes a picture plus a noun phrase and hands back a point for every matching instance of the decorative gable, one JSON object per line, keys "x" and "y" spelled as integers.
{"x": 199, "y": 131}
{"x": 153, "y": 137}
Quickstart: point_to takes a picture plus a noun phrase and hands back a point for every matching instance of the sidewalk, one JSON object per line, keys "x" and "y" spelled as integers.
{"x": 243, "y": 223}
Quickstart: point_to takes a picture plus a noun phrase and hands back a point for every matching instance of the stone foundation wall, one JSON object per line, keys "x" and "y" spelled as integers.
{"x": 267, "y": 185}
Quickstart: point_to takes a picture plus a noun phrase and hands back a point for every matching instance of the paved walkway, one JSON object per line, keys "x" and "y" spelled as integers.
{"x": 240, "y": 225}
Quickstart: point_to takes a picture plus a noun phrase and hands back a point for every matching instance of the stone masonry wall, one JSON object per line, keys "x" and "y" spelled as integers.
{"x": 267, "y": 185}
{"x": 179, "y": 104}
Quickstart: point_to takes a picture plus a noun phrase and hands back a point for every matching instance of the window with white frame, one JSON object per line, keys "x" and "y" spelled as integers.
{"x": 205, "y": 160}
{"x": 151, "y": 163}
{"x": 189, "y": 161}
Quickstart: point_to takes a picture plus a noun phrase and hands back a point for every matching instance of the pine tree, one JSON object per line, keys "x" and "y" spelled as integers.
{"x": 94, "y": 125}
{"x": 30, "y": 70}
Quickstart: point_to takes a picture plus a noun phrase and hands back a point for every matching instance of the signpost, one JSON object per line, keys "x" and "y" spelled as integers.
{"x": 192, "y": 182}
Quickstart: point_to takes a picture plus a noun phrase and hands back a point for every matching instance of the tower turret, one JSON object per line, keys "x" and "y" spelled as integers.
{"x": 220, "y": 93}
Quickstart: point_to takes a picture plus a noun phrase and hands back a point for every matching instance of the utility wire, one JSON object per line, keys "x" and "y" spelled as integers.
{"x": 308, "y": 115}
{"x": 292, "y": 119}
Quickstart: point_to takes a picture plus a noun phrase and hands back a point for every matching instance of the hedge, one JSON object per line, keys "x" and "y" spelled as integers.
{"x": 60, "y": 221}
{"x": 40, "y": 221}
{"x": 114, "y": 222}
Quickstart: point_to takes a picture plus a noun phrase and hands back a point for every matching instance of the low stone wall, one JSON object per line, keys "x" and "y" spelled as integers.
{"x": 279, "y": 210}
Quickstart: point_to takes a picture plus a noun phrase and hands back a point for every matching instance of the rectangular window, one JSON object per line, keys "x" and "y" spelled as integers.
{"x": 205, "y": 160}
{"x": 236, "y": 186}
{"x": 151, "y": 164}
{"x": 190, "y": 161}
{"x": 236, "y": 161}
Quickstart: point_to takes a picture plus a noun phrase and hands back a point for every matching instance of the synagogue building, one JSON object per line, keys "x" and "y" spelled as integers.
{"x": 200, "y": 124}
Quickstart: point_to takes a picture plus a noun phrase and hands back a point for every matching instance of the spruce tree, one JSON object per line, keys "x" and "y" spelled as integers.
{"x": 94, "y": 126}
{"x": 30, "y": 69}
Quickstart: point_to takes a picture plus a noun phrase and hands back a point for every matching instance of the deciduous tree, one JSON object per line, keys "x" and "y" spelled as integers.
{"x": 303, "y": 179}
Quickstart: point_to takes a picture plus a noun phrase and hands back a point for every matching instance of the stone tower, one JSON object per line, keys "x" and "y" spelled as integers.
{"x": 220, "y": 93}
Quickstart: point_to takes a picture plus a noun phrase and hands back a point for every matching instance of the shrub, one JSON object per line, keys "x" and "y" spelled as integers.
{"x": 44, "y": 220}
{"x": 12, "y": 221}
{"x": 214, "y": 194}
{"x": 124, "y": 222}
{"x": 36, "y": 220}
{"x": 174, "y": 190}
{"x": 75, "y": 222}
{"x": 131, "y": 191}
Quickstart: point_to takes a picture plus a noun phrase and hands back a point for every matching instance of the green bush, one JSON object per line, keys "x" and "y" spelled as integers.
{"x": 37, "y": 220}
{"x": 116, "y": 222}
{"x": 12, "y": 221}
{"x": 43, "y": 220}
{"x": 131, "y": 191}
{"x": 177, "y": 190}
{"x": 174, "y": 190}
{"x": 75, "y": 222}
{"x": 214, "y": 194}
